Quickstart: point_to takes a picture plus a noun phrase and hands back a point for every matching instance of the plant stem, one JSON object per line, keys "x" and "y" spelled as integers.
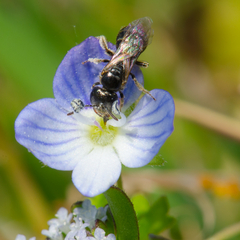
{"x": 218, "y": 122}
{"x": 119, "y": 182}
{"x": 227, "y": 232}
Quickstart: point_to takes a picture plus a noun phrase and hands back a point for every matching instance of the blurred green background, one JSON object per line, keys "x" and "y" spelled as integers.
{"x": 195, "y": 55}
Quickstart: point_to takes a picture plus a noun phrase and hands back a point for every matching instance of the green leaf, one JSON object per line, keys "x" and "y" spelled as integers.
{"x": 156, "y": 219}
{"x": 157, "y": 161}
{"x": 123, "y": 214}
{"x": 77, "y": 204}
{"x": 110, "y": 224}
{"x": 140, "y": 203}
{"x": 154, "y": 237}
{"x": 175, "y": 232}
{"x": 98, "y": 201}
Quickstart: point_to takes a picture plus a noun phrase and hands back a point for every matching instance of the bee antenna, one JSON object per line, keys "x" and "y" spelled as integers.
{"x": 71, "y": 113}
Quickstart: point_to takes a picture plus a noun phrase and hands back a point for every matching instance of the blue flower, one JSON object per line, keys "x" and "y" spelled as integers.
{"x": 81, "y": 142}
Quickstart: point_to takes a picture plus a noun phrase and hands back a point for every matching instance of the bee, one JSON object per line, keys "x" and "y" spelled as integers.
{"x": 131, "y": 41}
{"x": 106, "y": 103}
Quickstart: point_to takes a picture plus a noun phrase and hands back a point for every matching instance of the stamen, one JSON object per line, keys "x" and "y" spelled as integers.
{"x": 103, "y": 134}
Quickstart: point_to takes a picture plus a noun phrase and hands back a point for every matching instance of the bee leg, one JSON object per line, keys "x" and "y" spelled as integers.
{"x": 111, "y": 114}
{"x": 104, "y": 45}
{"x": 106, "y": 118}
{"x": 121, "y": 99}
{"x": 95, "y": 84}
{"x": 142, "y": 64}
{"x": 96, "y": 60}
{"x": 140, "y": 86}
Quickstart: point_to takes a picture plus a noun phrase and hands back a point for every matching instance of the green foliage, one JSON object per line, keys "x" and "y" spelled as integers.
{"x": 175, "y": 232}
{"x": 157, "y": 161}
{"x": 156, "y": 219}
{"x": 99, "y": 201}
{"x": 123, "y": 214}
{"x": 155, "y": 237}
{"x": 110, "y": 223}
{"x": 140, "y": 204}
{"x": 195, "y": 55}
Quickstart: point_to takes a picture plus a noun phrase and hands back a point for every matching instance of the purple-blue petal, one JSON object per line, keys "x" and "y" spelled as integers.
{"x": 53, "y": 137}
{"x": 74, "y": 79}
{"x": 147, "y": 128}
{"x": 131, "y": 92}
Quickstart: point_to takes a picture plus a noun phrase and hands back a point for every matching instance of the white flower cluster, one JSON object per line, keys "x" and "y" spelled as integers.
{"x": 83, "y": 217}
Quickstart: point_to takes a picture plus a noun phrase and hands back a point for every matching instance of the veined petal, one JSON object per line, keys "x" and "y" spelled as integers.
{"x": 118, "y": 123}
{"x": 56, "y": 139}
{"x": 97, "y": 171}
{"x": 74, "y": 79}
{"x": 147, "y": 128}
{"x": 131, "y": 92}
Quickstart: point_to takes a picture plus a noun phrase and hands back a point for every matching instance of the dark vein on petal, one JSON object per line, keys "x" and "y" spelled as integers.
{"x": 166, "y": 117}
{"x": 57, "y": 155}
{"x": 35, "y": 126}
{"x": 47, "y": 116}
{"x": 147, "y": 137}
{"x": 62, "y": 95}
{"x": 76, "y": 79}
{"x": 160, "y": 105}
{"x": 45, "y": 143}
{"x": 68, "y": 84}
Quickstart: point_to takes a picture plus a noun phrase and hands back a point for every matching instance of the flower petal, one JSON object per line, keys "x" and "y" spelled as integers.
{"x": 97, "y": 171}
{"x": 20, "y": 237}
{"x": 118, "y": 123}
{"x": 74, "y": 79}
{"x": 53, "y": 137}
{"x": 62, "y": 213}
{"x": 147, "y": 128}
{"x": 99, "y": 233}
{"x": 131, "y": 92}
{"x": 111, "y": 236}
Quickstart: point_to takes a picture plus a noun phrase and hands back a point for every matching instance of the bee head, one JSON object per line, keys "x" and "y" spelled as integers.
{"x": 105, "y": 103}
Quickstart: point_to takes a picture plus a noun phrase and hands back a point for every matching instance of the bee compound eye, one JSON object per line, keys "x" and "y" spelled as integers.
{"x": 115, "y": 109}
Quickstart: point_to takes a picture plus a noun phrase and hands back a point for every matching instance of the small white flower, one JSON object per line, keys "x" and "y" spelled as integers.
{"x": 77, "y": 229}
{"x": 89, "y": 213}
{"x": 54, "y": 233}
{"x": 102, "y": 213}
{"x": 62, "y": 222}
{"x": 99, "y": 234}
{"x": 22, "y": 237}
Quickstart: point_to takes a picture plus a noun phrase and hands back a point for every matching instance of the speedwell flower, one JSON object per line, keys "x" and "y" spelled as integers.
{"x": 22, "y": 237}
{"x": 81, "y": 142}
{"x": 63, "y": 220}
{"x": 89, "y": 213}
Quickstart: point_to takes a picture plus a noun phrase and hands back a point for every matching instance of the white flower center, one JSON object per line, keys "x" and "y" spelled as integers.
{"x": 103, "y": 134}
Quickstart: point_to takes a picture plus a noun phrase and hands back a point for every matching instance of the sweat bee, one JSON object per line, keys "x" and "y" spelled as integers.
{"x": 131, "y": 41}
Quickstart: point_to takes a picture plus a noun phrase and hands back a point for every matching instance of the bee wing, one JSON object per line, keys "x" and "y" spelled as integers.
{"x": 136, "y": 36}
{"x": 141, "y": 26}
{"x": 119, "y": 58}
